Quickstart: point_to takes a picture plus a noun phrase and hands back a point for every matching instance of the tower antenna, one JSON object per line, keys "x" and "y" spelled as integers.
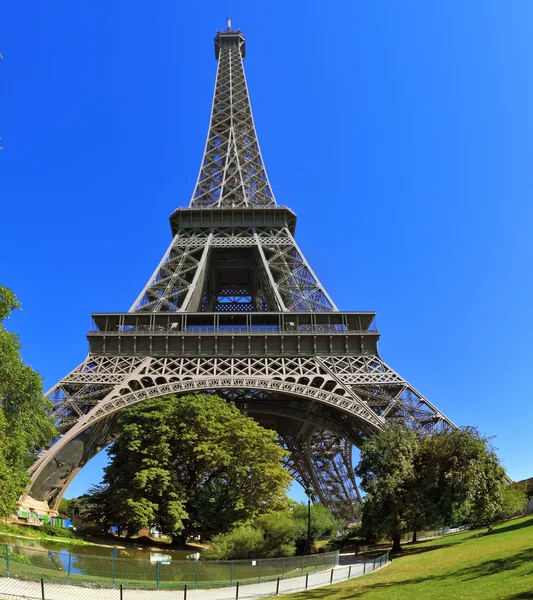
{"x": 229, "y": 23}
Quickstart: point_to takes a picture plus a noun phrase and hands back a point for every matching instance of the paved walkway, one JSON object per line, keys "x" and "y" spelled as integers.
{"x": 16, "y": 589}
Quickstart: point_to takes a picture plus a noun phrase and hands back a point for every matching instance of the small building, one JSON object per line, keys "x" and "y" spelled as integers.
{"x": 37, "y": 512}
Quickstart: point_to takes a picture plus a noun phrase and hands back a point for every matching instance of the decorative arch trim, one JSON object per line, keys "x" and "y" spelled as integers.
{"x": 117, "y": 402}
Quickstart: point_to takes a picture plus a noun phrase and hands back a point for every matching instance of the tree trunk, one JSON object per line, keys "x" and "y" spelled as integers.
{"x": 396, "y": 545}
{"x": 414, "y": 537}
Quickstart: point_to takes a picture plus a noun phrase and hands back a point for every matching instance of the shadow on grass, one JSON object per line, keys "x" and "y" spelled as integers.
{"x": 420, "y": 549}
{"x": 512, "y": 526}
{"x": 485, "y": 569}
{"x": 490, "y": 567}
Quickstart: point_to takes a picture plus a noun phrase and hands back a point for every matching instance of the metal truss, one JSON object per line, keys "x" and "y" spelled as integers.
{"x": 339, "y": 401}
{"x": 317, "y": 381}
{"x": 321, "y": 461}
{"x": 232, "y": 172}
{"x": 181, "y": 280}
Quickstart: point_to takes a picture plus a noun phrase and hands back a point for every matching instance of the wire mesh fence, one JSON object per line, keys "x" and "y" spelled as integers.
{"x": 63, "y": 566}
{"x": 17, "y": 586}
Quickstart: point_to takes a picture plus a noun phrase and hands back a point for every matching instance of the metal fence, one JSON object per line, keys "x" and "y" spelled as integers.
{"x": 358, "y": 548}
{"x": 431, "y": 533}
{"x": 17, "y": 589}
{"x": 65, "y": 567}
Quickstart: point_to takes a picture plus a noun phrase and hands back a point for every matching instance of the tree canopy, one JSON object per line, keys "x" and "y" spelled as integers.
{"x": 414, "y": 482}
{"x": 191, "y": 465}
{"x": 25, "y": 424}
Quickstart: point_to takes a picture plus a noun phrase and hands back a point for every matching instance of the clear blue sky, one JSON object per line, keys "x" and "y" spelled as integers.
{"x": 400, "y": 132}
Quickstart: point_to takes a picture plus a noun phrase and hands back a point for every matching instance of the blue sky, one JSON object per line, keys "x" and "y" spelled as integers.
{"x": 400, "y": 132}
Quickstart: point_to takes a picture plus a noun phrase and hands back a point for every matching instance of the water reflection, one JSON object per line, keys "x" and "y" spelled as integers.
{"x": 30, "y": 555}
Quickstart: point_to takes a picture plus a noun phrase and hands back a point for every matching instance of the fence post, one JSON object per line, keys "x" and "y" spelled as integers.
{"x": 185, "y": 592}
{"x": 277, "y": 587}
{"x": 157, "y": 574}
{"x": 350, "y": 572}
{"x": 231, "y": 574}
{"x": 364, "y": 567}
{"x": 7, "y": 561}
{"x": 306, "y": 580}
{"x": 68, "y": 571}
{"x": 237, "y": 592}
{"x": 259, "y": 577}
{"x": 283, "y": 569}
{"x": 331, "y": 577}
{"x": 120, "y": 591}
{"x": 113, "y": 570}
{"x": 42, "y": 589}
{"x": 196, "y": 574}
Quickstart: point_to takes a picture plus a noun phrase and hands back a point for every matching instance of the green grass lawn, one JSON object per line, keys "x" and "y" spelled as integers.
{"x": 459, "y": 565}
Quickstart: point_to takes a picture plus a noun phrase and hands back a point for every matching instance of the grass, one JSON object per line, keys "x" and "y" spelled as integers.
{"x": 461, "y": 565}
{"x": 28, "y": 532}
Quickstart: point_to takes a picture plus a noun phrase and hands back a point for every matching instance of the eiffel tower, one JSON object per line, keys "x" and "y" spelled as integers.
{"x": 234, "y": 308}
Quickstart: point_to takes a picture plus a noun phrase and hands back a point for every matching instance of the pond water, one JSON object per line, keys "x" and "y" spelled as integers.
{"x": 136, "y": 566}
{"x": 61, "y": 559}
{"x": 127, "y": 551}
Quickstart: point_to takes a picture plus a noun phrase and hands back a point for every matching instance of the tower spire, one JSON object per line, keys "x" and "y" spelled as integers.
{"x": 232, "y": 173}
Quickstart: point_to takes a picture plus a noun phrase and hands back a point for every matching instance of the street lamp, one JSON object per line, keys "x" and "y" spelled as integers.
{"x": 308, "y": 493}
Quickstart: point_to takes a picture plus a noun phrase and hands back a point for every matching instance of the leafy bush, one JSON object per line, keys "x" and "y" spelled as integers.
{"x": 275, "y": 534}
{"x": 279, "y": 531}
{"x": 23, "y": 530}
{"x": 243, "y": 542}
{"x": 17, "y": 557}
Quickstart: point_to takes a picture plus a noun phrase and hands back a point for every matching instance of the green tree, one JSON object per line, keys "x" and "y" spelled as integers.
{"x": 514, "y": 501}
{"x": 96, "y": 509}
{"x": 69, "y": 508}
{"x": 387, "y": 472}
{"x": 192, "y": 465}
{"x": 458, "y": 473}
{"x": 415, "y": 482}
{"x": 323, "y": 524}
{"x": 25, "y": 424}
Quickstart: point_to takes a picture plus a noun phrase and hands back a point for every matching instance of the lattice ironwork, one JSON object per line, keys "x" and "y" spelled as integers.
{"x": 233, "y": 253}
{"x": 232, "y": 173}
{"x": 286, "y": 279}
